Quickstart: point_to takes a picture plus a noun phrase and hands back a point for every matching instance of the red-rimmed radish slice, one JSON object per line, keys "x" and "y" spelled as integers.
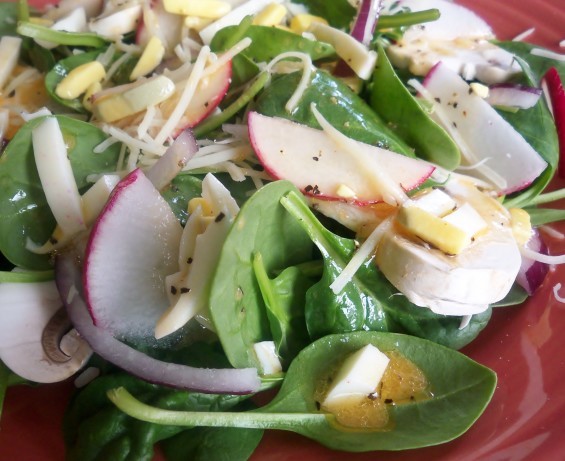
{"x": 209, "y": 380}
{"x": 132, "y": 248}
{"x": 557, "y": 96}
{"x": 312, "y": 161}
{"x": 504, "y": 157}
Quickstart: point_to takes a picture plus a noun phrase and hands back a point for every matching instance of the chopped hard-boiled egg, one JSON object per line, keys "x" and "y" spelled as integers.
{"x": 271, "y": 15}
{"x": 210, "y": 9}
{"x": 269, "y": 361}
{"x": 80, "y": 79}
{"x": 301, "y": 22}
{"x": 129, "y": 99}
{"x": 358, "y": 377}
{"x": 150, "y": 58}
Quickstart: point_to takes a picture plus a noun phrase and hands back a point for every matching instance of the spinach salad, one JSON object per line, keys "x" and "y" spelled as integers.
{"x": 203, "y": 201}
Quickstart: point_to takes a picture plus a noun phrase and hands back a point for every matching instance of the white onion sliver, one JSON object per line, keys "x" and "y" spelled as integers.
{"x": 207, "y": 380}
{"x": 519, "y": 96}
{"x": 173, "y": 160}
{"x": 547, "y": 259}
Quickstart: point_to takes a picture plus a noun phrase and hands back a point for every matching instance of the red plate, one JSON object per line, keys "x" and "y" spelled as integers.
{"x": 526, "y": 418}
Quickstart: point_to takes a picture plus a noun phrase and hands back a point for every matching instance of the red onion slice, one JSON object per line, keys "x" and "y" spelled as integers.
{"x": 532, "y": 273}
{"x": 509, "y": 95}
{"x": 207, "y": 380}
{"x": 366, "y": 21}
{"x": 557, "y": 96}
{"x": 182, "y": 149}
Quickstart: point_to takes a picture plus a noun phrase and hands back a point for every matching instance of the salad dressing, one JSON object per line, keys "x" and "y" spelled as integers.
{"x": 403, "y": 382}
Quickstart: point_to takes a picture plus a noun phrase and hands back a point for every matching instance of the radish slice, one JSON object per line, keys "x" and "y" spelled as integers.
{"x": 208, "y": 380}
{"x": 132, "y": 248}
{"x": 522, "y": 97}
{"x": 532, "y": 273}
{"x": 484, "y": 137}
{"x": 557, "y": 96}
{"x": 317, "y": 165}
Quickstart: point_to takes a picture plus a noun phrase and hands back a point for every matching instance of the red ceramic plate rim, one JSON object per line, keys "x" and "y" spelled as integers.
{"x": 526, "y": 418}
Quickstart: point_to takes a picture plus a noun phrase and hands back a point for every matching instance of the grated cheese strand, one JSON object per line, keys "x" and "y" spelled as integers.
{"x": 186, "y": 97}
{"x": 556, "y": 294}
{"x": 548, "y": 54}
{"x": 132, "y": 142}
{"x": 524, "y": 35}
{"x": 304, "y": 80}
{"x": 227, "y": 56}
{"x": 362, "y": 253}
{"x": 391, "y": 192}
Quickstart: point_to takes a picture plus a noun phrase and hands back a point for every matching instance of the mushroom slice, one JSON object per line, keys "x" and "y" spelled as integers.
{"x": 36, "y": 338}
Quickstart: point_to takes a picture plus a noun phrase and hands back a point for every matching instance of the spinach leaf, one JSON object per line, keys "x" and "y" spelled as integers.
{"x": 345, "y": 110}
{"x": 182, "y": 189}
{"x": 36, "y": 31}
{"x": 537, "y": 66}
{"x": 269, "y": 42}
{"x": 236, "y": 305}
{"x": 8, "y": 18}
{"x": 460, "y": 388}
{"x": 396, "y": 105}
{"x": 96, "y": 430}
{"x": 516, "y": 296}
{"x": 441, "y": 329}
{"x": 213, "y": 443}
{"x": 24, "y": 211}
{"x": 284, "y": 298}
{"x": 359, "y": 306}
{"x": 339, "y": 13}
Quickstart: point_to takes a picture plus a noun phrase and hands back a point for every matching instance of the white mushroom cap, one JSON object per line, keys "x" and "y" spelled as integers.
{"x": 36, "y": 341}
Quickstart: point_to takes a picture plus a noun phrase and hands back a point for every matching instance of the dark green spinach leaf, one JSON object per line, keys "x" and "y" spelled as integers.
{"x": 237, "y": 307}
{"x": 24, "y": 212}
{"x": 396, "y": 105}
{"x": 345, "y": 110}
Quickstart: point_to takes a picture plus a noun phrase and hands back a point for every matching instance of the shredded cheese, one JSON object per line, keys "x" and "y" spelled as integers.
{"x": 547, "y": 97}
{"x": 524, "y": 35}
{"x": 542, "y": 53}
{"x": 115, "y": 66}
{"x": 24, "y": 77}
{"x": 304, "y": 81}
{"x": 227, "y": 56}
{"x": 132, "y": 142}
{"x": 186, "y": 97}
{"x": 362, "y": 253}
{"x": 556, "y": 294}
{"x": 465, "y": 320}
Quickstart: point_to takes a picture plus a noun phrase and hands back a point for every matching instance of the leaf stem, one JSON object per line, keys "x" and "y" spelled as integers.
{"x": 36, "y": 31}
{"x": 215, "y": 121}
{"x": 407, "y": 19}
{"x": 548, "y": 197}
{"x": 250, "y": 419}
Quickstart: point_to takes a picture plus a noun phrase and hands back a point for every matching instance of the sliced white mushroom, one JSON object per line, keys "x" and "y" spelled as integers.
{"x": 462, "y": 284}
{"x": 36, "y": 339}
